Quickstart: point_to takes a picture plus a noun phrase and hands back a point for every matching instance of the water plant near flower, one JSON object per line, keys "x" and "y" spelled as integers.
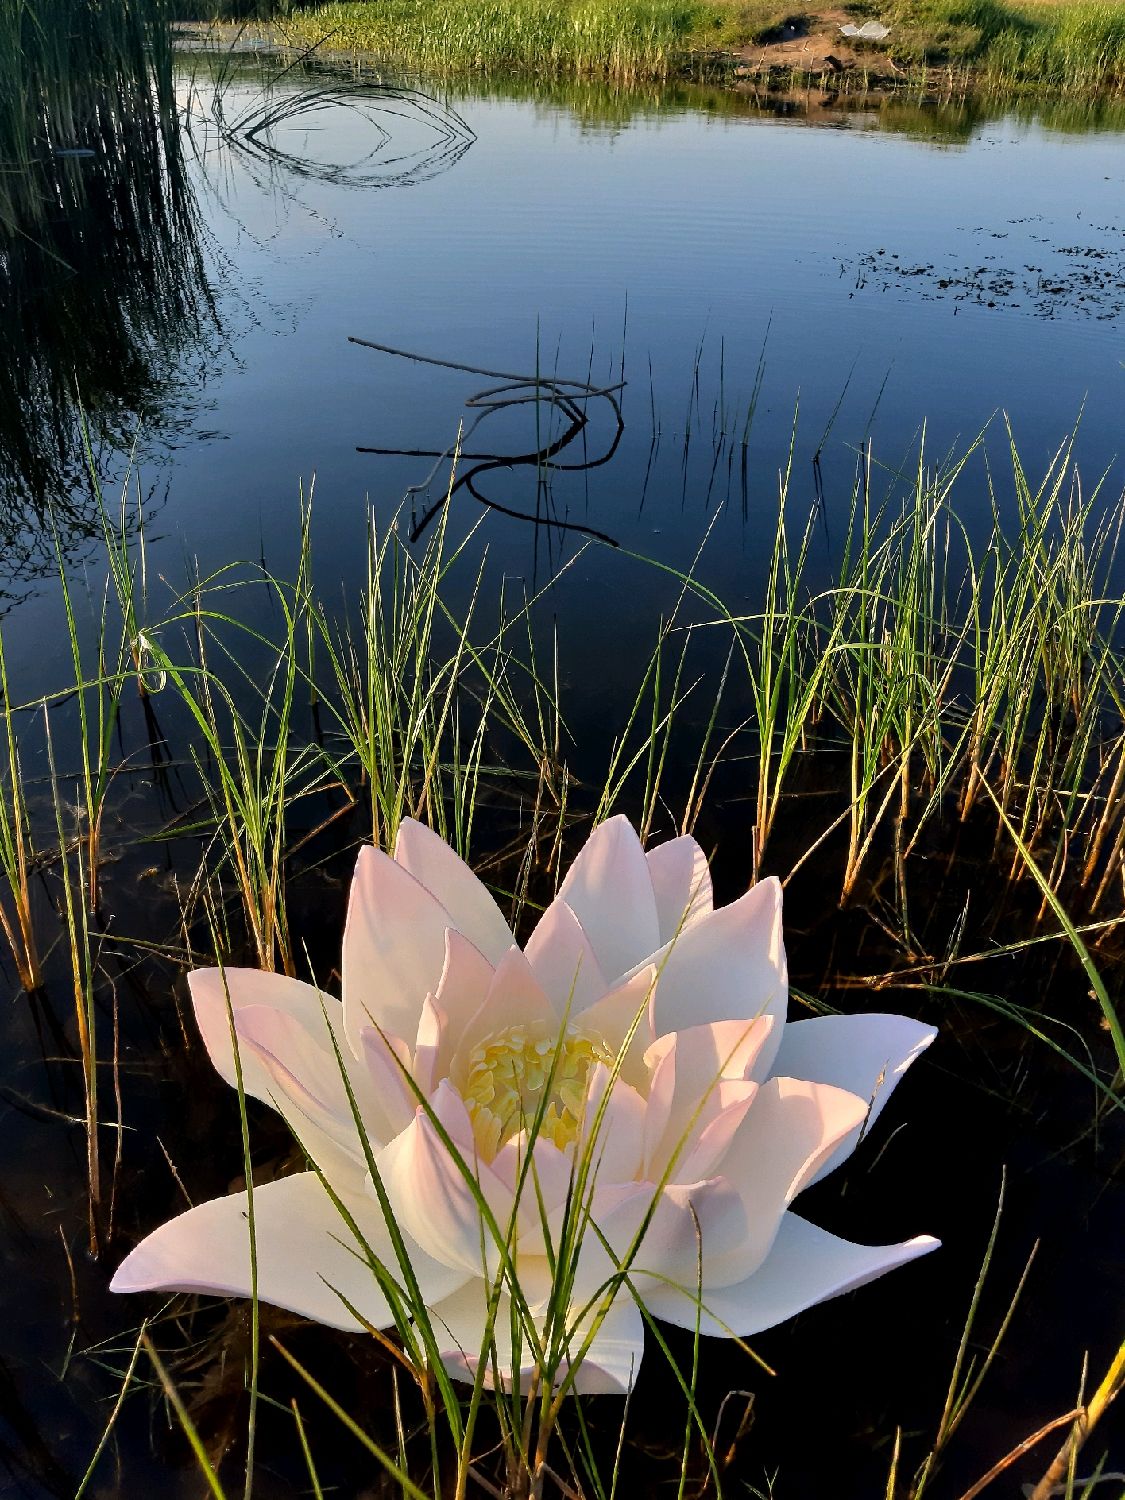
{"x": 520, "y": 1155}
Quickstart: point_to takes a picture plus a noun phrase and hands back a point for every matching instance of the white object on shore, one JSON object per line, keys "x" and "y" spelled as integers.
{"x": 870, "y": 31}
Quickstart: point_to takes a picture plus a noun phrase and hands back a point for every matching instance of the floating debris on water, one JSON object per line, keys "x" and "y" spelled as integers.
{"x": 1049, "y": 280}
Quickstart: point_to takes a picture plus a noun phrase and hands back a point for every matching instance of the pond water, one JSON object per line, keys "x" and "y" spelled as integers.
{"x": 746, "y": 287}
{"x": 891, "y": 270}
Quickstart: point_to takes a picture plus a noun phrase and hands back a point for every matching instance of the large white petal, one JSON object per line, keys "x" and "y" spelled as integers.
{"x": 304, "y": 1250}
{"x": 393, "y": 1100}
{"x": 445, "y": 875}
{"x": 301, "y": 1003}
{"x": 806, "y": 1266}
{"x": 394, "y": 948}
{"x": 865, "y": 1054}
{"x": 609, "y": 889}
{"x": 728, "y": 966}
{"x": 313, "y": 1104}
{"x": 687, "y": 1069}
{"x": 681, "y": 882}
{"x": 563, "y": 961}
{"x": 460, "y": 1326}
{"x": 610, "y": 1364}
{"x": 708, "y": 1145}
{"x": 790, "y": 1129}
{"x": 545, "y": 1181}
{"x": 618, "y": 1146}
{"x": 664, "y": 1231}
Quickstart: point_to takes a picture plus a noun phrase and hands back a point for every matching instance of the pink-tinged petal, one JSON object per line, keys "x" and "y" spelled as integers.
{"x": 460, "y": 1327}
{"x": 608, "y": 1368}
{"x": 618, "y": 1145}
{"x": 609, "y": 889}
{"x": 313, "y": 1104}
{"x": 661, "y": 1091}
{"x": 728, "y": 966}
{"x": 708, "y": 1146}
{"x": 427, "y": 1046}
{"x": 301, "y": 1003}
{"x": 312, "y": 1073}
{"x": 306, "y": 1253}
{"x": 514, "y": 998}
{"x": 465, "y": 979}
{"x": 687, "y": 1068}
{"x": 430, "y": 1194}
{"x": 548, "y": 1176}
{"x": 805, "y": 1266}
{"x": 624, "y": 1014}
{"x": 394, "y": 948}
{"x": 791, "y": 1128}
{"x": 676, "y": 1225}
{"x": 393, "y": 1100}
{"x": 563, "y": 961}
{"x": 681, "y": 882}
{"x": 447, "y": 877}
{"x": 865, "y": 1054}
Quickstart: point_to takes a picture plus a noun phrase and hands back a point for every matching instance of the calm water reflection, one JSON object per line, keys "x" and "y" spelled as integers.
{"x": 897, "y": 266}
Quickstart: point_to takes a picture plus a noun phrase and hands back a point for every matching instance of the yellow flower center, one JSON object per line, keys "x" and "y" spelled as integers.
{"x": 513, "y": 1072}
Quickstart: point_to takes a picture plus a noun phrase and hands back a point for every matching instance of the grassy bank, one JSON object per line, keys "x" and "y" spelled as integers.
{"x": 1069, "y": 47}
{"x": 1057, "y": 46}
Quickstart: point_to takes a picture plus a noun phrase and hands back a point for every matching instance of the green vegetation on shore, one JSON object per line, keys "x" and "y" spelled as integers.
{"x": 622, "y": 39}
{"x": 1070, "y": 47}
{"x": 1050, "y": 44}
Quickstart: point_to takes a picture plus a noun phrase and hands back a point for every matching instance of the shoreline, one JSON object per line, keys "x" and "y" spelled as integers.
{"x": 1053, "y": 50}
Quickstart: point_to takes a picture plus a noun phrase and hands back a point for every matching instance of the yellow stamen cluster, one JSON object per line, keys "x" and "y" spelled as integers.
{"x": 510, "y": 1071}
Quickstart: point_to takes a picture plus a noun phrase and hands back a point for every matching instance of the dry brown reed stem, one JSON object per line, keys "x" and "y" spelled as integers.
{"x": 1085, "y": 1420}
{"x": 1112, "y": 863}
{"x": 21, "y": 937}
{"x": 1018, "y": 1452}
{"x": 1113, "y": 803}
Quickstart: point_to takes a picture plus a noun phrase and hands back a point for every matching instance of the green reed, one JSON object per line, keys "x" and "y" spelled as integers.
{"x": 17, "y": 850}
{"x": 932, "y": 666}
{"x": 1075, "y": 47}
{"x": 937, "y": 681}
{"x": 413, "y": 696}
{"x": 623, "y": 40}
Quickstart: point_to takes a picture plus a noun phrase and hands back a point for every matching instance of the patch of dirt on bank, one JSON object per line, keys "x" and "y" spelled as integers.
{"x": 812, "y": 44}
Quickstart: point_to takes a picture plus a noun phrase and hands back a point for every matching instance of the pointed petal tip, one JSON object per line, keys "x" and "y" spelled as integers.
{"x": 922, "y": 1244}
{"x": 124, "y": 1279}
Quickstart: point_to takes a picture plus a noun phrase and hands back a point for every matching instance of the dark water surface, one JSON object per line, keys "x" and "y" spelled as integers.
{"x": 893, "y": 268}
{"x": 864, "y": 273}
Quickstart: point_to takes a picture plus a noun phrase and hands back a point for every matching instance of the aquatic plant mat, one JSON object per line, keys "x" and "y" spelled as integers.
{"x": 928, "y": 748}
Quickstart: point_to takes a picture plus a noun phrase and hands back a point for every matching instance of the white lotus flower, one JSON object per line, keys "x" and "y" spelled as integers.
{"x": 700, "y": 1128}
